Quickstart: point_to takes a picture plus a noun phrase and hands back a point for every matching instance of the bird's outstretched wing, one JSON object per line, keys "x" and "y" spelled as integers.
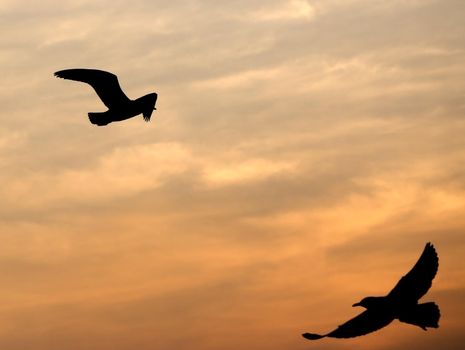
{"x": 416, "y": 283}
{"x": 367, "y": 322}
{"x": 104, "y": 83}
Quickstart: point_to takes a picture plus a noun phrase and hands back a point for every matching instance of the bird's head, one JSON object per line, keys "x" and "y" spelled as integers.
{"x": 148, "y": 101}
{"x": 367, "y": 302}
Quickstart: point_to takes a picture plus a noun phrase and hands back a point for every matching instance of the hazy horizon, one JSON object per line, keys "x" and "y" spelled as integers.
{"x": 301, "y": 155}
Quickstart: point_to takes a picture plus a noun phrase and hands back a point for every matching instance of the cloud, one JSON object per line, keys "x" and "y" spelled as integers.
{"x": 10, "y": 140}
{"x": 289, "y": 10}
{"x": 123, "y": 172}
{"x": 250, "y": 170}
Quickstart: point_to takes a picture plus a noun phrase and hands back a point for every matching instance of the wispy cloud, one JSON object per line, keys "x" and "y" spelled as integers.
{"x": 245, "y": 171}
{"x": 287, "y": 10}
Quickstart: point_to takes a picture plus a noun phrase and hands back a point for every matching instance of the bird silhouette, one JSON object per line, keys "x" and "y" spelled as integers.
{"x": 107, "y": 87}
{"x": 401, "y": 303}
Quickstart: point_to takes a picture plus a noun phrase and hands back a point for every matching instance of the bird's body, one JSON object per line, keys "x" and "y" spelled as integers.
{"x": 401, "y": 303}
{"x": 125, "y": 111}
{"x": 107, "y": 87}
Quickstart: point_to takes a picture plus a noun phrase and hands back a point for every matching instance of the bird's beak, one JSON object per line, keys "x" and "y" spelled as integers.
{"x": 356, "y": 304}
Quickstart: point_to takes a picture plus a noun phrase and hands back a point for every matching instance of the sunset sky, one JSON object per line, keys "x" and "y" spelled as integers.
{"x": 302, "y": 154}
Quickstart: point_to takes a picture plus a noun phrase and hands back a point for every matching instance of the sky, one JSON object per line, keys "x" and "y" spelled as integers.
{"x": 302, "y": 154}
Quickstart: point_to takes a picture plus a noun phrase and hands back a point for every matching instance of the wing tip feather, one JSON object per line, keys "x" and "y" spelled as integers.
{"x": 430, "y": 247}
{"x": 312, "y": 336}
{"x": 62, "y": 73}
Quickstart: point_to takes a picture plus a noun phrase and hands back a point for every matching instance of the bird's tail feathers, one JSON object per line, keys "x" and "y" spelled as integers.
{"x": 422, "y": 315}
{"x": 147, "y": 116}
{"x": 312, "y": 336}
{"x": 99, "y": 118}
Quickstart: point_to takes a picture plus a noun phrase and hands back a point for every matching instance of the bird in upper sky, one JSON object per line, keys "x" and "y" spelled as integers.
{"x": 401, "y": 303}
{"x": 107, "y": 87}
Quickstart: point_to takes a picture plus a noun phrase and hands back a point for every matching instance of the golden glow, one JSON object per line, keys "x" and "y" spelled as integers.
{"x": 301, "y": 155}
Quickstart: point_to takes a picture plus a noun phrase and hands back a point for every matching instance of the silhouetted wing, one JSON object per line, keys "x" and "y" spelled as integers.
{"x": 104, "y": 83}
{"x": 416, "y": 283}
{"x": 367, "y": 322}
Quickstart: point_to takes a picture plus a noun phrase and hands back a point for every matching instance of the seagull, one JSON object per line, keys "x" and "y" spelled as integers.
{"x": 106, "y": 85}
{"x": 401, "y": 303}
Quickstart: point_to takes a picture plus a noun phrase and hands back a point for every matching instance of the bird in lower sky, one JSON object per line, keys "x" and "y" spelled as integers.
{"x": 107, "y": 87}
{"x": 401, "y": 303}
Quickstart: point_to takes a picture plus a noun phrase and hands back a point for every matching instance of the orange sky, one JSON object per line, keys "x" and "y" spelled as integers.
{"x": 302, "y": 154}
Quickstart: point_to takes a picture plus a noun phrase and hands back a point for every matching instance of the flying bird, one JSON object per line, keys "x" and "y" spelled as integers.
{"x": 107, "y": 87}
{"x": 401, "y": 303}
